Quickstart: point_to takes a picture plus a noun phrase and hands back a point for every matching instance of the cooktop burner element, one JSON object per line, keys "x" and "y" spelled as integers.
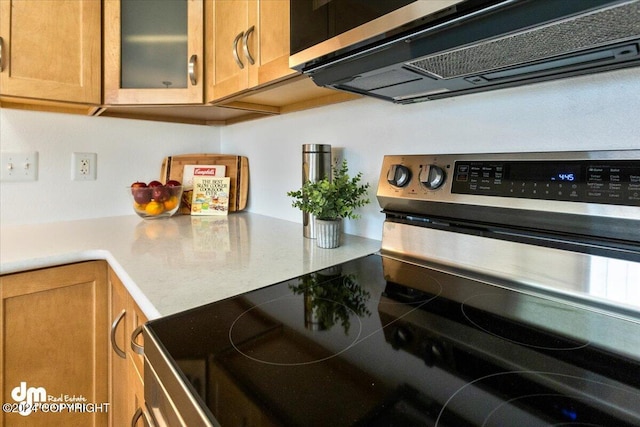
{"x": 577, "y": 409}
{"x": 258, "y": 349}
{"x": 530, "y": 337}
{"x": 402, "y": 343}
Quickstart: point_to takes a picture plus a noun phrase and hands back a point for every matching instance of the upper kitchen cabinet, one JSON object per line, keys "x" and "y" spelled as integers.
{"x": 153, "y": 52}
{"x": 50, "y": 52}
{"x": 250, "y": 45}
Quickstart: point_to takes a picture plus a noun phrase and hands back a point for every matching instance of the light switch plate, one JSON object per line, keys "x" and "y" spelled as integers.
{"x": 19, "y": 166}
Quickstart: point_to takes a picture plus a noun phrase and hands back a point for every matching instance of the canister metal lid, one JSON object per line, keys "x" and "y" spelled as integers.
{"x": 316, "y": 148}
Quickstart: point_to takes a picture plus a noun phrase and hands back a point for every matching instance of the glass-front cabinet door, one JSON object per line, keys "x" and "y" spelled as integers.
{"x": 153, "y": 52}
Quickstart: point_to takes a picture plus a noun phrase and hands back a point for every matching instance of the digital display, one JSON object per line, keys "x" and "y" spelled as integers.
{"x": 614, "y": 182}
{"x": 544, "y": 172}
{"x": 564, "y": 177}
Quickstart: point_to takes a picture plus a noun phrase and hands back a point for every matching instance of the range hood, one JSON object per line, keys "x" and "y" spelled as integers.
{"x": 483, "y": 45}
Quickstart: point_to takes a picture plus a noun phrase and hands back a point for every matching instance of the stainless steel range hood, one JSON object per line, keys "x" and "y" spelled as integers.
{"x": 493, "y": 45}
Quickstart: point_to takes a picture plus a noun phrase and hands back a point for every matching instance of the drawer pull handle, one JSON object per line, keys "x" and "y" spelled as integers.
{"x": 1, "y": 52}
{"x": 137, "y": 348}
{"x": 114, "y": 326}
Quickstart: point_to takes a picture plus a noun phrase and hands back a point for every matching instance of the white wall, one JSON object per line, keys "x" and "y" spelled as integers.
{"x": 582, "y": 113}
{"x": 128, "y": 150}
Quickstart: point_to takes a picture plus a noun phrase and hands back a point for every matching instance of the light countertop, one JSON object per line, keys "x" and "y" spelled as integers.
{"x": 175, "y": 264}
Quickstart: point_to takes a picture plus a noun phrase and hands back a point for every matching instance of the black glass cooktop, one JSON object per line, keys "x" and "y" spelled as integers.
{"x": 379, "y": 342}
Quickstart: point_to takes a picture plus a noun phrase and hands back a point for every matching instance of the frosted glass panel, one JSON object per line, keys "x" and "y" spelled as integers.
{"x": 154, "y": 44}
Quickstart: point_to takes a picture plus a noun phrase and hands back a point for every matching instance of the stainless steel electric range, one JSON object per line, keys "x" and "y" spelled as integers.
{"x": 506, "y": 292}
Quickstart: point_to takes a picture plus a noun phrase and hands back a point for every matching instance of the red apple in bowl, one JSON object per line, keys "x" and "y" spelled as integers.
{"x": 155, "y": 200}
{"x": 174, "y": 187}
{"x": 140, "y": 192}
{"x": 160, "y": 193}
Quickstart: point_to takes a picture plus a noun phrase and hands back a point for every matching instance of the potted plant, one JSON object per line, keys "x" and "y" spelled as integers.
{"x": 331, "y": 200}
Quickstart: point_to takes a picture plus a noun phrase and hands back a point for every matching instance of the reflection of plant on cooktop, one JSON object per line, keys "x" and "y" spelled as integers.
{"x": 330, "y": 298}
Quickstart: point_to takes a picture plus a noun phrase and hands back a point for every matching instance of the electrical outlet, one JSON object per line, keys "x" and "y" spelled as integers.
{"x": 84, "y": 166}
{"x": 22, "y": 166}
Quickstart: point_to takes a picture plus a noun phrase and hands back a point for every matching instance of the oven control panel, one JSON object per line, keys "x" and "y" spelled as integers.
{"x": 590, "y": 181}
{"x": 601, "y": 183}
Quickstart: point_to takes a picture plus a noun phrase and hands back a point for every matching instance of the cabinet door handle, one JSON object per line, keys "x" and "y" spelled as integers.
{"x": 140, "y": 413}
{"x": 1, "y": 52}
{"x": 235, "y": 50}
{"x": 134, "y": 345}
{"x": 114, "y": 326}
{"x": 192, "y": 69}
{"x": 245, "y": 45}
{"x": 136, "y": 417}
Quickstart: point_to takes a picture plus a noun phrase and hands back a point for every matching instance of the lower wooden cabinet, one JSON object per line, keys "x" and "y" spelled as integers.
{"x": 55, "y": 346}
{"x": 136, "y": 397}
{"x": 119, "y": 393}
{"x": 127, "y": 373}
{"x": 66, "y": 335}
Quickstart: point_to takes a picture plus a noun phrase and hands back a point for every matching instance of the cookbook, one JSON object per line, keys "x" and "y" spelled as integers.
{"x": 210, "y": 193}
{"x": 187, "y": 181}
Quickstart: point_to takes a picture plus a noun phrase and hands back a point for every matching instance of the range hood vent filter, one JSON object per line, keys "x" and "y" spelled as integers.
{"x": 481, "y": 45}
{"x": 571, "y": 35}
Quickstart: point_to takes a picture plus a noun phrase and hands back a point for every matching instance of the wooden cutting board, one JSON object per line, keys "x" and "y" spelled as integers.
{"x": 237, "y": 170}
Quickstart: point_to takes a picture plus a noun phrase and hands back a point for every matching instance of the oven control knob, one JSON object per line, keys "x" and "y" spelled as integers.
{"x": 399, "y": 175}
{"x": 431, "y": 176}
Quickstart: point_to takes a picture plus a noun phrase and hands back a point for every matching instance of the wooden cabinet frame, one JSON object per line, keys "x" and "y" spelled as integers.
{"x": 60, "y": 56}
{"x": 58, "y": 327}
{"x": 263, "y": 28}
{"x": 127, "y": 373}
{"x": 54, "y": 336}
{"x": 114, "y": 94}
{"x": 91, "y": 86}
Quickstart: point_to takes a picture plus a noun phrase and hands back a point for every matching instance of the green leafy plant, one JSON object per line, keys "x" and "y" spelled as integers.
{"x": 332, "y": 199}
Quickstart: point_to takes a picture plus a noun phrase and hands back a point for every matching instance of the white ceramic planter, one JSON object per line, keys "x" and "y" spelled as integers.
{"x": 328, "y": 233}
